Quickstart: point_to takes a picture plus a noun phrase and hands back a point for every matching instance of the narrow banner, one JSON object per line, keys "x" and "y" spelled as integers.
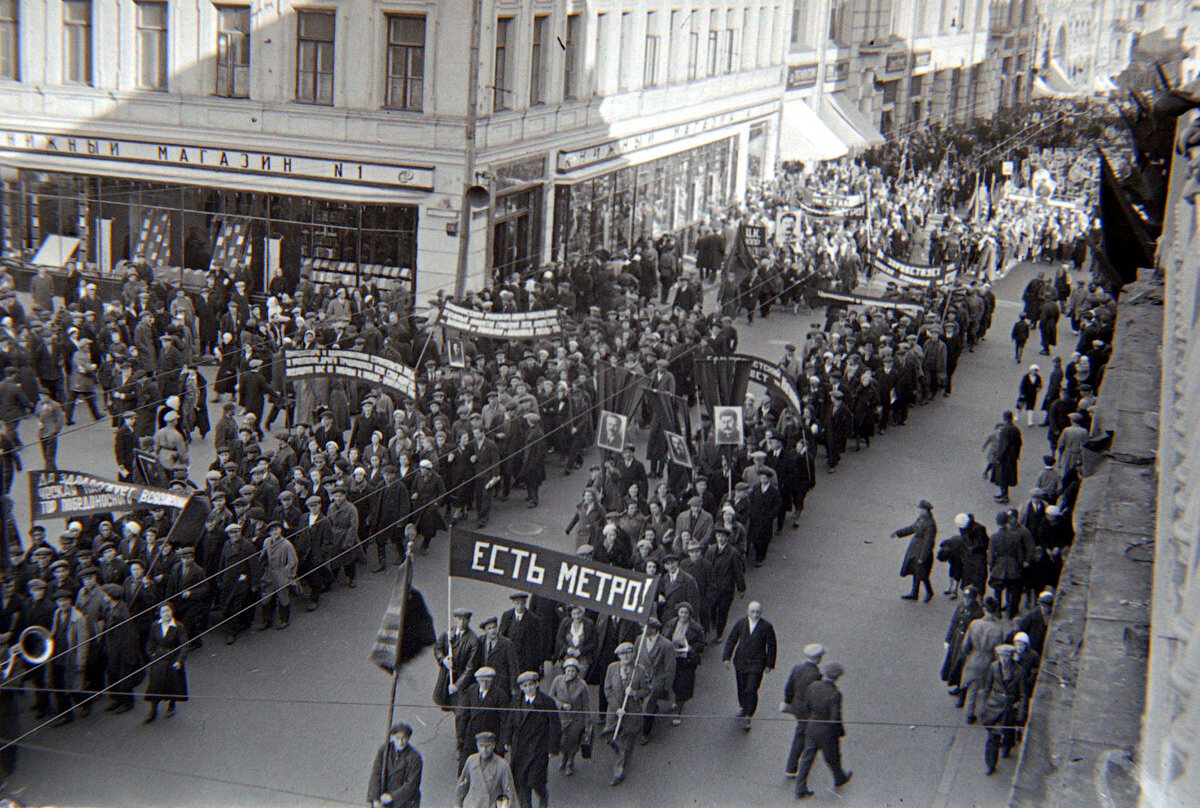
{"x": 864, "y": 300}
{"x": 502, "y": 325}
{"x": 832, "y": 213}
{"x": 825, "y": 199}
{"x": 913, "y": 272}
{"x": 563, "y": 577}
{"x": 63, "y": 494}
{"x": 365, "y": 367}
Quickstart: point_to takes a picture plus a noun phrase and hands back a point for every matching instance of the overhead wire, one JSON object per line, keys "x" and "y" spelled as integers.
{"x": 325, "y": 564}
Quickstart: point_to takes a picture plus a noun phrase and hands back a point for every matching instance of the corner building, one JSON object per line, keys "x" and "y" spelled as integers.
{"x": 268, "y": 136}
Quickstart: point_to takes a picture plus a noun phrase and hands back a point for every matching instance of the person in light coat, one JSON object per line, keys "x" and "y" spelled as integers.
{"x": 485, "y": 777}
{"x": 279, "y": 562}
{"x": 978, "y": 648}
{"x": 570, "y": 692}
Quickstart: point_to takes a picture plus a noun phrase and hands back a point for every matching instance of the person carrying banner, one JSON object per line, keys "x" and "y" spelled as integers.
{"x": 395, "y": 780}
{"x": 625, "y": 689}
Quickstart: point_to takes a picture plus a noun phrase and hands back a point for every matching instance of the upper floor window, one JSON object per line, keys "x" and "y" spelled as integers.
{"x": 9, "y": 64}
{"x": 571, "y": 57}
{"x": 537, "y": 60}
{"x": 77, "y": 41}
{"x": 233, "y": 51}
{"x": 314, "y": 57}
{"x": 406, "y": 62}
{"x": 152, "y": 45}
{"x": 502, "y": 82}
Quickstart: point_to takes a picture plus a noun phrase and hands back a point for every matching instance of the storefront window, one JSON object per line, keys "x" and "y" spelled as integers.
{"x": 671, "y": 194}
{"x": 180, "y": 226}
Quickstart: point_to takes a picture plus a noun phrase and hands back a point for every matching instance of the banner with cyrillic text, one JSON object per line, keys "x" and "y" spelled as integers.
{"x": 502, "y": 325}
{"x": 563, "y": 577}
{"x": 309, "y": 363}
{"x": 914, "y": 272}
{"x": 866, "y": 300}
{"x": 63, "y": 494}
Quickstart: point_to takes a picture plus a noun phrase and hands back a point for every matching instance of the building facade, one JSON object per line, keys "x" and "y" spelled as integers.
{"x": 1012, "y": 49}
{"x": 873, "y": 69}
{"x": 268, "y": 136}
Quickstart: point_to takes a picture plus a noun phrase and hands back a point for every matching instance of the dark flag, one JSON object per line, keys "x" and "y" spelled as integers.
{"x": 407, "y": 627}
{"x": 1127, "y": 239}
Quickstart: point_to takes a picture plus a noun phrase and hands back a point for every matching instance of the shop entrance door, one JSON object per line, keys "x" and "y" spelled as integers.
{"x": 516, "y": 233}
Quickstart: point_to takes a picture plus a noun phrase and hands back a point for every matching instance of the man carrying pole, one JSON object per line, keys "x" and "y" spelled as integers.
{"x": 626, "y": 688}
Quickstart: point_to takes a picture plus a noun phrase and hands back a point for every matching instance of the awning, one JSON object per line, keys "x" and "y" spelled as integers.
{"x": 1058, "y": 79}
{"x": 1043, "y": 90}
{"x": 843, "y": 116}
{"x": 55, "y": 251}
{"x": 805, "y": 138}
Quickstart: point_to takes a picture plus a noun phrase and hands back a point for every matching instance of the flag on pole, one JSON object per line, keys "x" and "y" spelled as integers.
{"x": 407, "y": 627}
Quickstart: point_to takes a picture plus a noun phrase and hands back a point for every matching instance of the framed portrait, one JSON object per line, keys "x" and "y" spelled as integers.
{"x": 677, "y": 450}
{"x": 456, "y": 353}
{"x": 728, "y": 426}
{"x": 611, "y": 434}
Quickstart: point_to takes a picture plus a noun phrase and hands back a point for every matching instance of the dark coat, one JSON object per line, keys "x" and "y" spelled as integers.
{"x": 465, "y": 653}
{"x": 1008, "y": 456}
{"x": 533, "y": 733}
{"x": 796, "y": 688}
{"x": 526, "y": 637}
{"x": 122, "y": 651}
{"x": 479, "y": 713}
{"x": 751, "y": 650}
{"x": 164, "y": 650}
{"x": 503, "y": 659}
{"x": 1006, "y": 557}
{"x": 918, "y": 558}
{"x": 398, "y": 774}
{"x": 587, "y": 647}
{"x": 823, "y": 707}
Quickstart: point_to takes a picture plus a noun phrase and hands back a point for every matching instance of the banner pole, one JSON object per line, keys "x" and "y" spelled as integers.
{"x": 404, "y": 587}
{"x": 449, "y": 633}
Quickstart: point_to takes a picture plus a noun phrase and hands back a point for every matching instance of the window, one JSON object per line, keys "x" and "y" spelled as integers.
{"x": 77, "y": 41}
{"x": 152, "y": 45}
{"x": 650, "y": 71}
{"x": 233, "y": 51}
{"x": 537, "y": 60}
{"x": 730, "y": 49}
{"x": 501, "y": 83}
{"x": 693, "y": 59}
{"x": 714, "y": 46}
{"x": 314, "y": 57}
{"x": 405, "y": 63}
{"x": 603, "y": 66}
{"x": 625, "y": 62}
{"x": 835, "y": 20}
{"x": 800, "y": 22}
{"x": 571, "y": 57}
{"x": 9, "y": 68}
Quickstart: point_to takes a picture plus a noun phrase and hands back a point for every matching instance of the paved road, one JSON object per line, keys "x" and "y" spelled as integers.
{"x": 302, "y": 710}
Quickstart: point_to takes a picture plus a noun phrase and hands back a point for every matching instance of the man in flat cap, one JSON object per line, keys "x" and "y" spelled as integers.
{"x": 823, "y": 730}
{"x": 625, "y": 689}
{"x": 240, "y": 570}
{"x": 395, "y": 780}
{"x": 456, "y": 652}
{"x": 918, "y": 558}
{"x": 485, "y": 777}
{"x": 524, "y": 629}
{"x": 279, "y": 562}
{"x": 480, "y": 708}
{"x": 498, "y": 653}
{"x": 1004, "y": 702}
{"x": 803, "y": 675}
{"x": 532, "y": 733}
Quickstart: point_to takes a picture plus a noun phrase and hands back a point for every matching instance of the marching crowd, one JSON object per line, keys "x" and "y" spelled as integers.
{"x": 351, "y": 476}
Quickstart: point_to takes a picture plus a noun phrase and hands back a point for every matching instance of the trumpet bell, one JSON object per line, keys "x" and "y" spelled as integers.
{"x": 35, "y": 645}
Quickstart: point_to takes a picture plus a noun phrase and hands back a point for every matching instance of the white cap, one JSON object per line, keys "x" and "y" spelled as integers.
{"x": 962, "y": 520}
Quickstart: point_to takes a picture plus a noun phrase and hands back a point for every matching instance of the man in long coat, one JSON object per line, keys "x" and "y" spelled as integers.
{"x": 524, "y": 629}
{"x": 456, "y": 652}
{"x": 794, "y": 691}
{"x": 1008, "y": 457}
{"x": 480, "y": 709}
{"x": 918, "y": 558}
{"x": 532, "y": 734}
{"x": 532, "y": 472}
{"x": 625, "y": 688}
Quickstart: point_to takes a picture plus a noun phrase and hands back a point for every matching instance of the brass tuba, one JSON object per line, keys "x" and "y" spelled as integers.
{"x": 35, "y": 646}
